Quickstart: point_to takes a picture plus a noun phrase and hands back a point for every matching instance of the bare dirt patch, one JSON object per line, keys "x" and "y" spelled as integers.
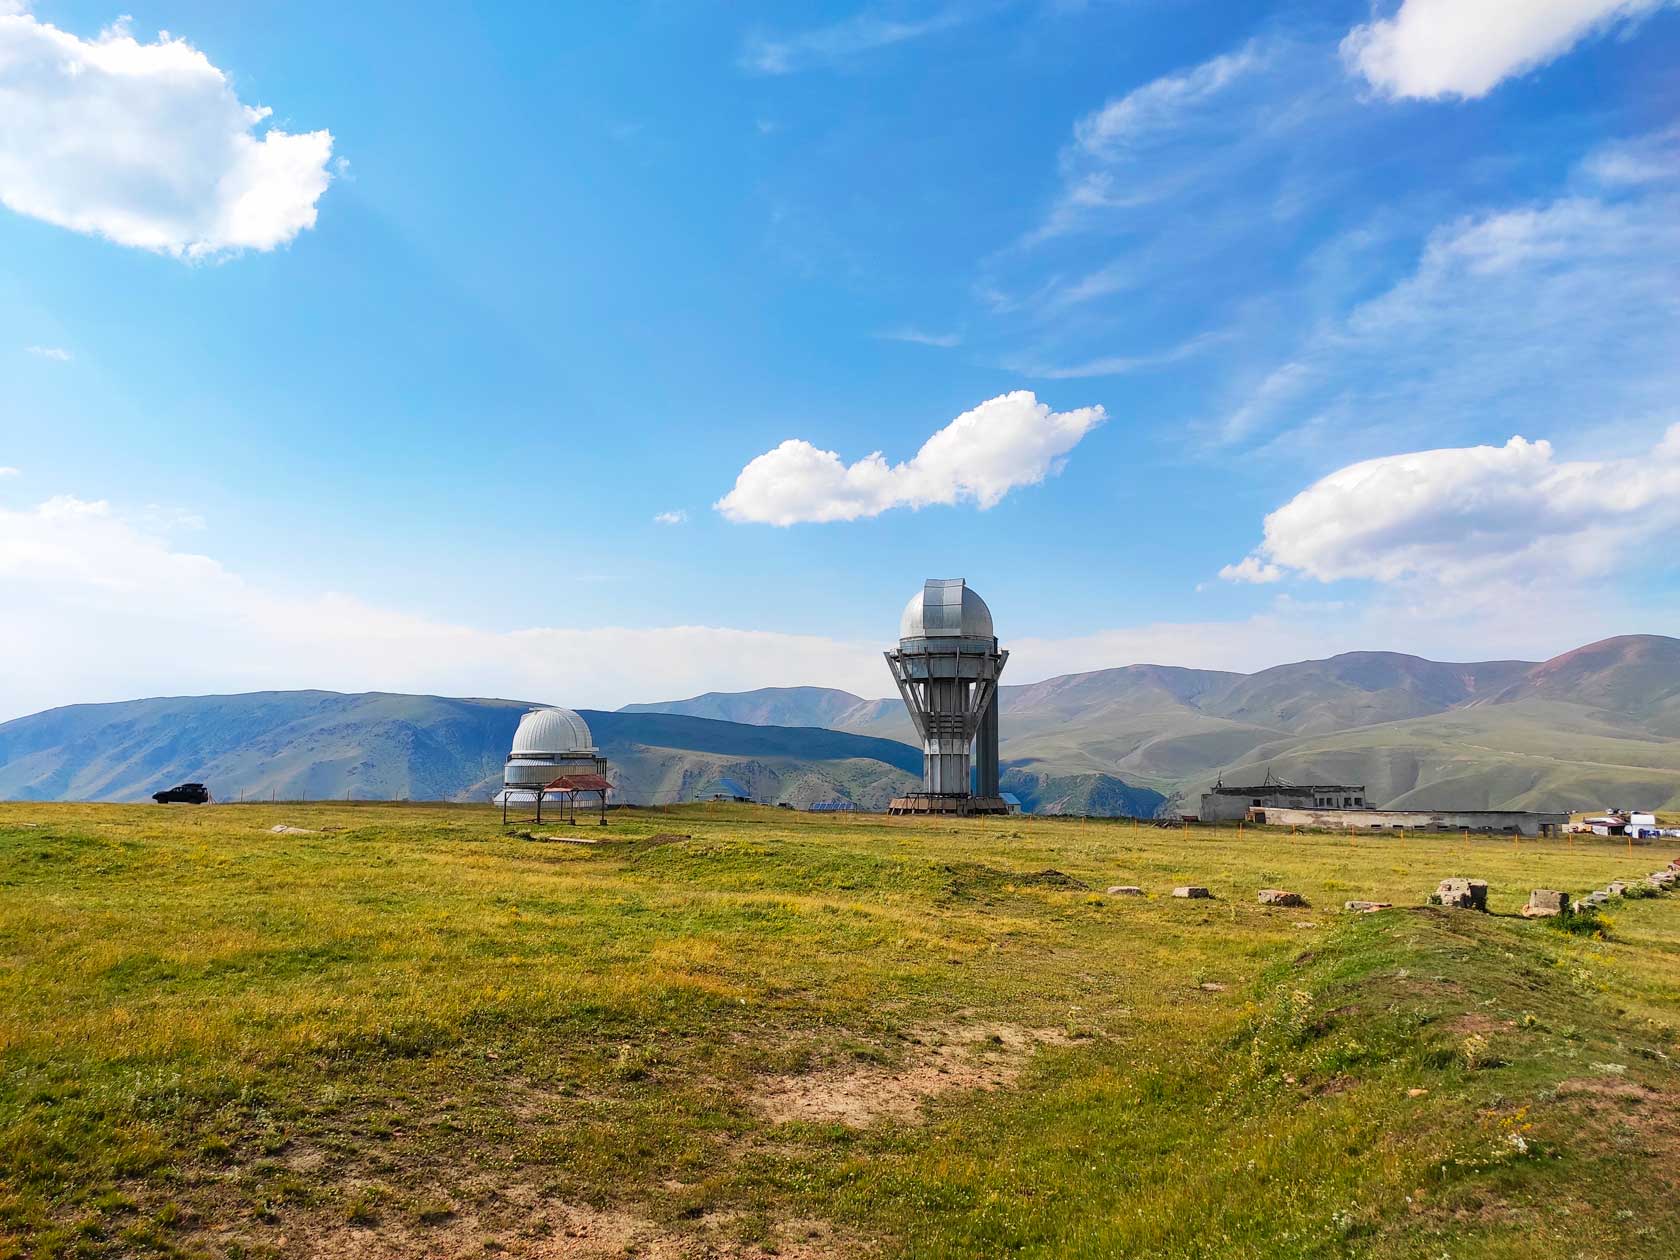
{"x": 536, "y": 1228}
{"x": 945, "y": 1059}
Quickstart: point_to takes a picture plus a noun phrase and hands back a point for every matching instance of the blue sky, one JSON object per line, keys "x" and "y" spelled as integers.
{"x": 1241, "y": 306}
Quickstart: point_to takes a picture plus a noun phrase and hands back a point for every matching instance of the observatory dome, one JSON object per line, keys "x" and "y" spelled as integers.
{"x": 946, "y": 608}
{"x": 551, "y": 732}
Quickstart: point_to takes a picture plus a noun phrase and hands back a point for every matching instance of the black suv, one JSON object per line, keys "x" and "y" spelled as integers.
{"x": 183, "y": 794}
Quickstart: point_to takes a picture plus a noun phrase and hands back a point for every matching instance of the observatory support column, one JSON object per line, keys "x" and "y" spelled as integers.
{"x": 986, "y": 751}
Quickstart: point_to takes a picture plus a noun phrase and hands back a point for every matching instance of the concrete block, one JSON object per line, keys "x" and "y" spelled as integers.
{"x": 1124, "y": 890}
{"x": 1461, "y": 894}
{"x": 1546, "y": 902}
{"x": 1281, "y": 897}
{"x": 1367, "y": 907}
{"x": 1191, "y": 890}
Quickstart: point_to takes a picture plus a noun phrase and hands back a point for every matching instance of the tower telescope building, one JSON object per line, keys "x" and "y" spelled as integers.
{"x": 947, "y": 666}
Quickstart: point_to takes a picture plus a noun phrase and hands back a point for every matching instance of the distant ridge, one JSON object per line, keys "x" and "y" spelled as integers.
{"x": 768, "y": 706}
{"x": 323, "y": 745}
{"x": 1595, "y": 726}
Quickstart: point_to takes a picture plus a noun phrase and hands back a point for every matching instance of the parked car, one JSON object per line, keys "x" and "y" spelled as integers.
{"x": 183, "y": 794}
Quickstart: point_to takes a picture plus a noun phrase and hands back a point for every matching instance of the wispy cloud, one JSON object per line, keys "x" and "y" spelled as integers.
{"x": 915, "y": 336}
{"x": 670, "y": 518}
{"x": 6, "y": 470}
{"x": 1117, "y": 364}
{"x": 55, "y": 353}
{"x": 841, "y": 41}
{"x": 1561, "y": 315}
{"x": 1103, "y": 167}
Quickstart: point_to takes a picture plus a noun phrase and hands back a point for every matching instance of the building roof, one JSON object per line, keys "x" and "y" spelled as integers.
{"x": 1285, "y": 789}
{"x": 550, "y": 731}
{"x": 946, "y": 608}
{"x": 579, "y": 783}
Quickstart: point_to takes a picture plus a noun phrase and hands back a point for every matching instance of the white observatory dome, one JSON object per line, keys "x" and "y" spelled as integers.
{"x": 945, "y": 608}
{"x": 551, "y": 732}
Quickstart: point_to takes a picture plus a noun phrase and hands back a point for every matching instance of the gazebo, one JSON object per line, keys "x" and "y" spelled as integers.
{"x": 567, "y": 787}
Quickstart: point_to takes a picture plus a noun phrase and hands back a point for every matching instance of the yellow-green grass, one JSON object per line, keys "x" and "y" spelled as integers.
{"x": 412, "y": 1031}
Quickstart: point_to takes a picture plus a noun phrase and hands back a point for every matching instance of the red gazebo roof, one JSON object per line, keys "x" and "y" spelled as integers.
{"x": 579, "y": 783}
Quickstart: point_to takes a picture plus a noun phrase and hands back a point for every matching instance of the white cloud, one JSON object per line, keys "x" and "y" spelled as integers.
{"x": 1009, "y": 441}
{"x": 1162, "y": 105}
{"x": 1251, "y": 569}
{"x": 54, "y": 353}
{"x": 147, "y": 145}
{"x": 915, "y": 336}
{"x": 1466, "y": 48}
{"x": 1557, "y": 314}
{"x": 1132, "y": 152}
{"x": 840, "y": 41}
{"x": 8, "y": 471}
{"x": 670, "y": 518}
{"x": 1479, "y": 514}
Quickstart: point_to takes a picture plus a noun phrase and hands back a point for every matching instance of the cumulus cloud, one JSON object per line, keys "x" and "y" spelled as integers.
{"x": 1472, "y": 514}
{"x": 147, "y": 144}
{"x": 1009, "y": 441}
{"x": 839, "y": 41}
{"x": 670, "y": 518}
{"x": 1466, "y": 48}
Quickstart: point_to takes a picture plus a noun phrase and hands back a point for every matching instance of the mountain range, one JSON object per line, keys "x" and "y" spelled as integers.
{"x": 1596, "y": 725}
{"x": 1592, "y": 727}
{"x": 322, "y": 745}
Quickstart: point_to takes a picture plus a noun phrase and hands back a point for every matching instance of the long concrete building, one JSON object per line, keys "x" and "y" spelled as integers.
{"x": 1230, "y": 804}
{"x": 1343, "y": 807}
{"x": 1495, "y": 821}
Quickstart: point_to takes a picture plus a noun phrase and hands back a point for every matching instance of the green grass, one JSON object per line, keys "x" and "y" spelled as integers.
{"x": 414, "y": 1033}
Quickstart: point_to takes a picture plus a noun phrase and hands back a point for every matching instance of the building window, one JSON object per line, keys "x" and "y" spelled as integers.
{"x": 1256, "y": 800}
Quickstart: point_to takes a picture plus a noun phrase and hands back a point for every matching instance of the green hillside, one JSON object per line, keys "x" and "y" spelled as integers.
{"x": 320, "y": 745}
{"x": 1594, "y": 726}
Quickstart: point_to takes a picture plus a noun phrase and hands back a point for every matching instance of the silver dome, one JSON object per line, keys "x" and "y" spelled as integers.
{"x": 946, "y": 608}
{"x": 551, "y": 732}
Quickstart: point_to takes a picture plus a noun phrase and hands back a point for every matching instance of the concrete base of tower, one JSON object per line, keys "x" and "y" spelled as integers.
{"x": 961, "y": 806}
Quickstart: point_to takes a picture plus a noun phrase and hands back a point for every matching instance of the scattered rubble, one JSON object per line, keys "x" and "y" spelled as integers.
{"x": 1367, "y": 907}
{"x": 1281, "y": 897}
{"x": 281, "y": 829}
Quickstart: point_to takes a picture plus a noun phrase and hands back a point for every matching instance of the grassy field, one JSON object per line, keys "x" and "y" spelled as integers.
{"x": 741, "y": 1032}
